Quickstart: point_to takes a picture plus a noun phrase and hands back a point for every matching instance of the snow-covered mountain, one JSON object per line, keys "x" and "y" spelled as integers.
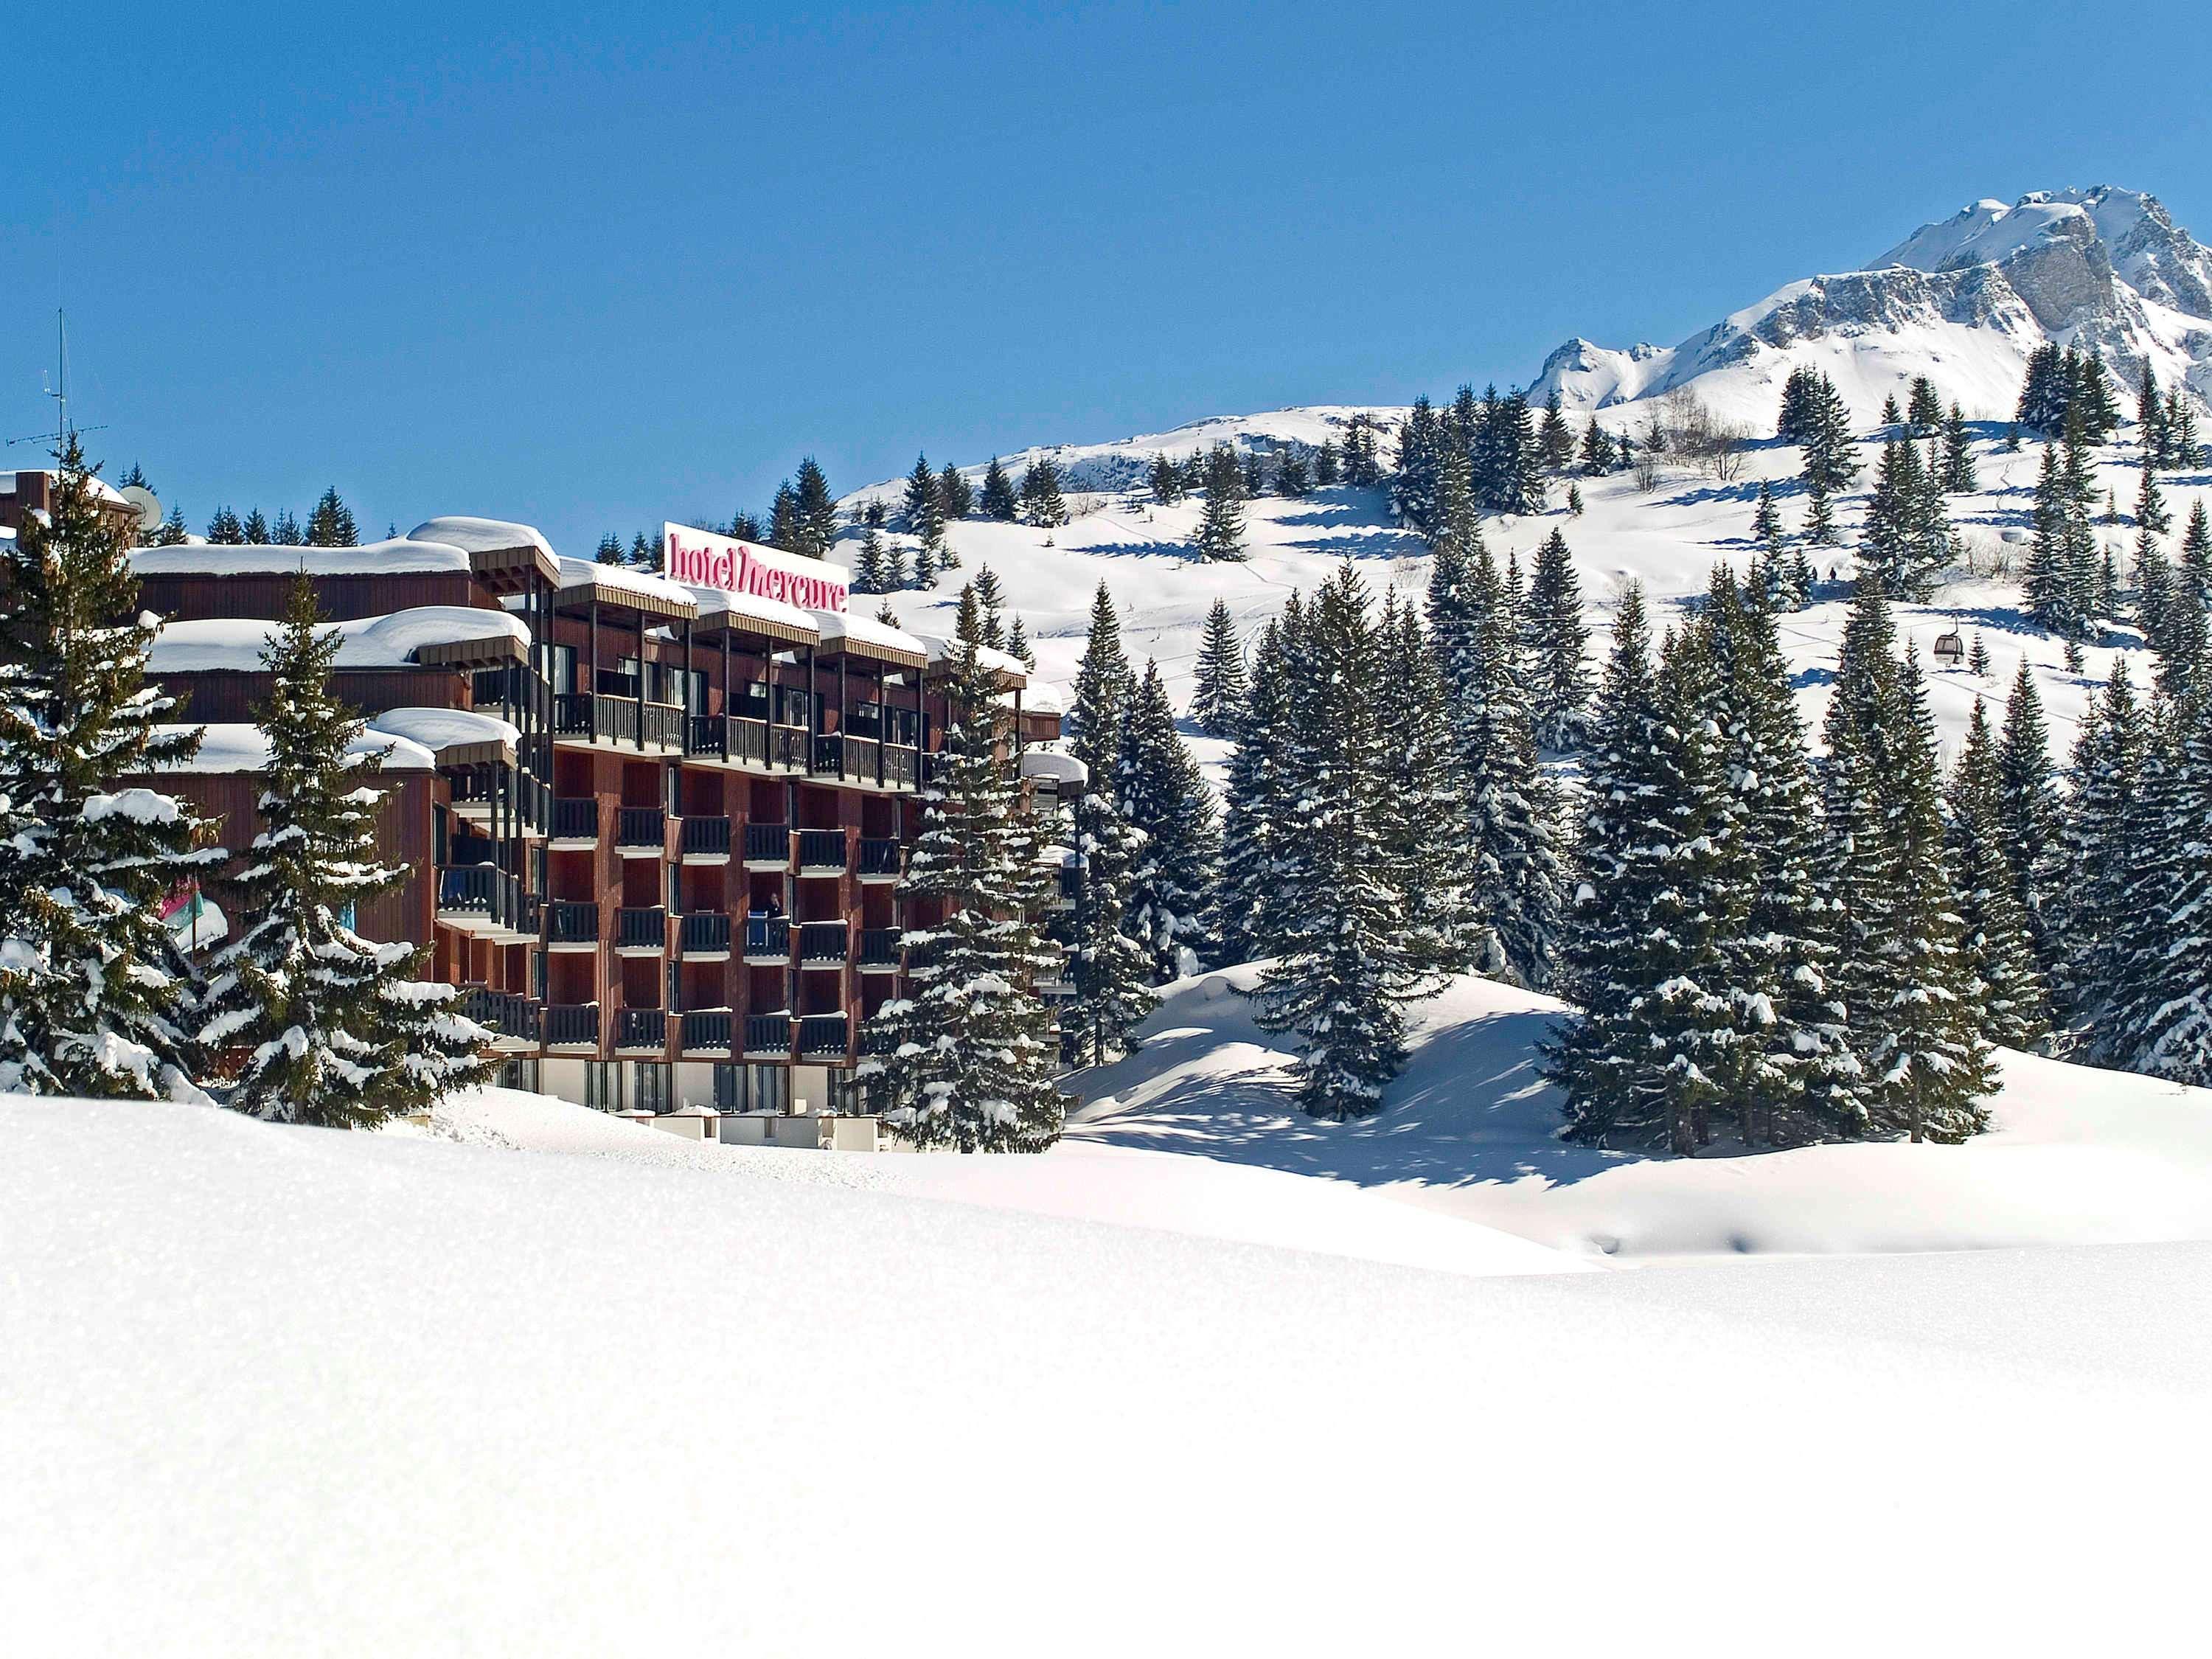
{"x": 1962, "y": 300}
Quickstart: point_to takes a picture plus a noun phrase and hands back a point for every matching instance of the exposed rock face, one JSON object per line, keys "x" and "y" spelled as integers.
{"x": 2104, "y": 268}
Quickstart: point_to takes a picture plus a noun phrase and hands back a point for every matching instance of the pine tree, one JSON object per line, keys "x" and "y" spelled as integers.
{"x": 924, "y": 504}
{"x": 1245, "y": 907}
{"x": 1906, "y": 542}
{"x": 959, "y": 500}
{"x": 330, "y": 1028}
{"x": 1978, "y": 659}
{"x": 991, "y": 603}
{"x": 1831, "y": 459}
{"x": 2000, "y": 954}
{"x": 1596, "y": 450}
{"x": 1891, "y": 417}
{"x": 331, "y": 525}
{"x": 972, "y": 1051}
{"x": 610, "y": 550}
{"x": 928, "y": 564}
{"x": 2150, "y": 420}
{"x": 1217, "y": 703}
{"x": 1428, "y": 800}
{"x": 171, "y": 532}
{"x": 1559, "y": 677}
{"x": 1221, "y": 524}
{"x": 224, "y": 530}
{"x": 745, "y": 527}
{"x": 999, "y": 501}
{"x": 1555, "y": 439}
{"x": 287, "y": 532}
{"x": 1924, "y": 409}
{"x": 1574, "y": 500}
{"x": 1041, "y": 502}
{"x": 817, "y": 512}
{"x": 1326, "y": 469}
{"x": 2043, "y": 392}
{"x": 2150, "y": 505}
{"x": 1819, "y": 517}
{"x": 787, "y": 528}
{"x": 1363, "y": 466}
{"x": 1766, "y": 521}
{"x": 2101, "y": 843}
{"x": 2160, "y": 1021}
{"x": 1346, "y": 959}
{"x": 1018, "y": 643}
{"x": 1292, "y": 481}
{"x": 1255, "y": 475}
{"x": 643, "y": 551}
{"x": 1166, "y": 800}
{"x": 2153, "y": 589}
{"x": 92, "y": 988}
{"x": 1414, "y": 485}
{"x": 870, "y": 573}
{"x": 1164, "y": 480}
{"x": 1958, "y": 468}
{"x": 1109, "y": 966}
{"x": 255, "y": 529}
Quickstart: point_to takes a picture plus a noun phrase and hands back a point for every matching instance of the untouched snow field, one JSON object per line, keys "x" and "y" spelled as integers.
{"x": 285, "y": 1391}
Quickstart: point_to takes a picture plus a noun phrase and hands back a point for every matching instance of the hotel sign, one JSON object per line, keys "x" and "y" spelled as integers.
{"x": 706, "y": 560}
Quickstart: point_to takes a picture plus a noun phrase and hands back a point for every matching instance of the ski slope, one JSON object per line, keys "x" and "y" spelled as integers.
{"x": 275, "y": 1390}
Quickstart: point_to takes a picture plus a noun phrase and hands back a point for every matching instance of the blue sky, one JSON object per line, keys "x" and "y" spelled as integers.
{"x": 594, "y": 266}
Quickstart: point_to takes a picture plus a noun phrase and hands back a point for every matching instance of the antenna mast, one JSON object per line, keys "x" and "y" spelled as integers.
{"x": 59, "y": 392}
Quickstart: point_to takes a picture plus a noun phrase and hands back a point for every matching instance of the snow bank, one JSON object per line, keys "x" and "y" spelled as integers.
{"x": 514, "y": 1404}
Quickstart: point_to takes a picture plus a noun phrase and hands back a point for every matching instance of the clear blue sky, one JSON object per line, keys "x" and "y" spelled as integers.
{"x": 593, "y": 266}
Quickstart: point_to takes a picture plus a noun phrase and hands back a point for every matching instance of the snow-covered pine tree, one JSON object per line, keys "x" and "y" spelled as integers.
{"x": 2150, "y": 419}
{"x": 2150, "y": 505}
{"x": 255, "y": 529}
{"x": 1891, "y": 417}
{"x": 972, "y": 1050}
{"x": 1924, "y": 409}
{"x": 1221, "y": 522}
{"x": 1819, "y": 515}
{"x": 1255, "y": 475}
{"x": 224, "y": 530}
{"x": 1831, "y": 459}
{"x": 1018, "y": 643}
{"x": 999, "y": 501}
{"x": 1327, "y": 467}
{"x": 610, "y": 550}
{"x": 2043, "y": 391}
{"x": 1907, "y": 541}
{"x": 1042, "y": 504}
{"x": 1428, "y": 797}
{"x": 1363, "y": 465}
{"x": 326, "y": 1027}
{"x": 1558, "y": 672}
{"x": 2160, "y": 1018}
{"x": 1596, "y": 454}
{"x": 2180, "y": 637}
{"x": 991, "y": 603}
{"x": 1513, "y": 854}
{"x": 2101, "y": 843}
{"x": 1348, "y": 957}
{"x": 93, "y": 990}
{"x": 817, "y": 511}
{"x": 1766, "y": 521}
{"x": 1217, "y": 703}
{"x": 1795, "y": 420}
{"x": 871, "y": 572}
{"x": 1999, "y": 954}
{"x": 1167, "y": 802}
{"x": 1958, "y": 464}
{"x": 786, "y": 529}
{"x": 952, "y": 489}
{"x": 1978, "y": 658}
{"x": 2051, "y": 587}
{"x": 1293, "y": 481}
{"x": 331, "y": 525}
{"x": 1413, "y": 485}
{"x": 1109, "y": 966}
{"x": 1555, "y": 441}
{"x": 924, "y": 504}
{"x": 1245, "y": 911}
{"x": 1164, "y": 480}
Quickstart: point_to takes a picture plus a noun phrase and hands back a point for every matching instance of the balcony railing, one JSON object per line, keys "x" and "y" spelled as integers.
{"x": 768, "y": 842}
{"x": 705, "y": 838}
{"x": 570, "y": 922}
{"x": 504, "y": 1013}
{"x": 576, "y": 820}
{"x": 642, "y": 826}
{"x": 572, "y": 1027}
{"x": 879, "y": 947}
{"x": 479, "y": 892}
{"x": 879, "y": 856}
{"x": 860, "y": 759}
{"x": 768, "y": 1034}
{"x": 768, "y": 935}
{"x": 822, "y": 849}
{"x": 641, "y": 1028}
{"x": 708, "y": 1031}
{"x": 706, "y": 734}
{"x": 749, "y": 742}
{"x": 828, "y": 757}
{"x": 581, "y": 714}
{"x": 822, "y": 1034}
{"x": 641, "y": 930}
{"x": 899, "y": 767}
{"x": 822, "y": 941}
{"x": 787, "y": 747}
{"x": 705, "y": 933}
{"x": 876, "y": 1040}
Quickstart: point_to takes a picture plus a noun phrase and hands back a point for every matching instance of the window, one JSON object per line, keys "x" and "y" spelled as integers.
{"x": 729, "y": 1086}
{"x": 650, "y": 1085}
{"x": 523, "y": 1074}
{"x": 846, "y": 1096}
{"x": 564, "y": 670}
{"x": 603, "y": 1085}
{"x": 767, "y": 1088}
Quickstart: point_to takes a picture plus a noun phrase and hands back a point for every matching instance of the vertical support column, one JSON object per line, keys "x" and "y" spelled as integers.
{"x": 640, "y": 679}
{"x": 592, "y": 697}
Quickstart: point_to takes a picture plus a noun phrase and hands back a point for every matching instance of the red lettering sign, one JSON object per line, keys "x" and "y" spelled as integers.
{"x": 703, "y": 559}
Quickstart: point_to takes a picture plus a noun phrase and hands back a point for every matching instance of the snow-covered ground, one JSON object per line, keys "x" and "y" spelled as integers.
{"x": 273, "y": 1390}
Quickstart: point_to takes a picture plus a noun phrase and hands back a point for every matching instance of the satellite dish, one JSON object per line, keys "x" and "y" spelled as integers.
{"x": 141, "y": 500}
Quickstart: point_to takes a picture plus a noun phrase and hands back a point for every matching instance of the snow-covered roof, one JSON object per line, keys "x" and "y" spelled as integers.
{"x": 240, "y": 746}
{"x": 863, "y": 636}
{"x": 1011, "y": 670}
{"x": 12, "y": 483}
{"x": 1051, "y": 763}
{"x": 627, "y": 585}
{"x": 756, "y": 611}
{"x": 1042, "y": 697}
{"x": 457, "y": 635}
{"x": 481, "y": 535}
{"x": 404, "y": 556}
{"x": 455, "y": 736}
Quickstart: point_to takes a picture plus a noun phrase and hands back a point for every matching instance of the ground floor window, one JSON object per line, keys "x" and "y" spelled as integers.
{"x": 767, "y": 1088}
{"x": 650, "y": 1089}
{"x": 603, "y": 1085}
{"x": 523, "y": 1074}
{"x": 729, "y": 1086}
{"x": 847, "y": 1097}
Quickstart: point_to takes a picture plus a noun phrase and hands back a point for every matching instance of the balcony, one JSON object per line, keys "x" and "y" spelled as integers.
{"x": 768, "y": 938}
{"x": 823, "y": 1034}
{"x": 822, "y": 944}
{"x": 640, "y": 932}
{"x": 821, "y": 849}
{"x": 767, "y": 847}
{"x": 704, "y": 840}
{"x": 899, "y": 767}
{"x": 880, "y": 858}
{"x": 829, "y": 757}
{"x": 641, "y": 1031}
{"x": 704, "y": 936}
{"x": 879, "y": 949}
{"x": 511, "y": 1019}
{"x": 479, "y": 899}
{"x": 767, "y": 1035}
{"x": 708, "y": 734}
{"x": 665, "y": 726}
{"x": 570, "y": 926}
{"x": 748, "y": 742}
{"x": 859, "y": 759}
{"x": 787, "y": 748}
{"x": 708, "y": 1031}
{"x": 573, "y": 1027}
{"x": 595, "y": 719}
{"x": 576, "y": 824}
{"x": 640, "y": 832}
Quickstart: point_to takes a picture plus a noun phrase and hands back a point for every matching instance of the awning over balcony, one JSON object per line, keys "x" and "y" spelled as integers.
{"x": 626, "y": 588}
{"x": 458, "y": 737}
{"x": 503, "y": 555}
{"x": 863, "y": 636}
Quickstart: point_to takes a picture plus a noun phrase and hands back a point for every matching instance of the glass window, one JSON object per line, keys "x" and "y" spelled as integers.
{"x": 564, "y": 670}
{"x": 767, "y": 1088}
{"x": 650, "y": 1081}
{"x": 729, "y": 1086}
{"x": 603, "y": 1085}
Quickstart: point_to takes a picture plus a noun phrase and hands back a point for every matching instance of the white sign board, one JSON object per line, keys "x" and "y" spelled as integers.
{"x": 706, "y": 560}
